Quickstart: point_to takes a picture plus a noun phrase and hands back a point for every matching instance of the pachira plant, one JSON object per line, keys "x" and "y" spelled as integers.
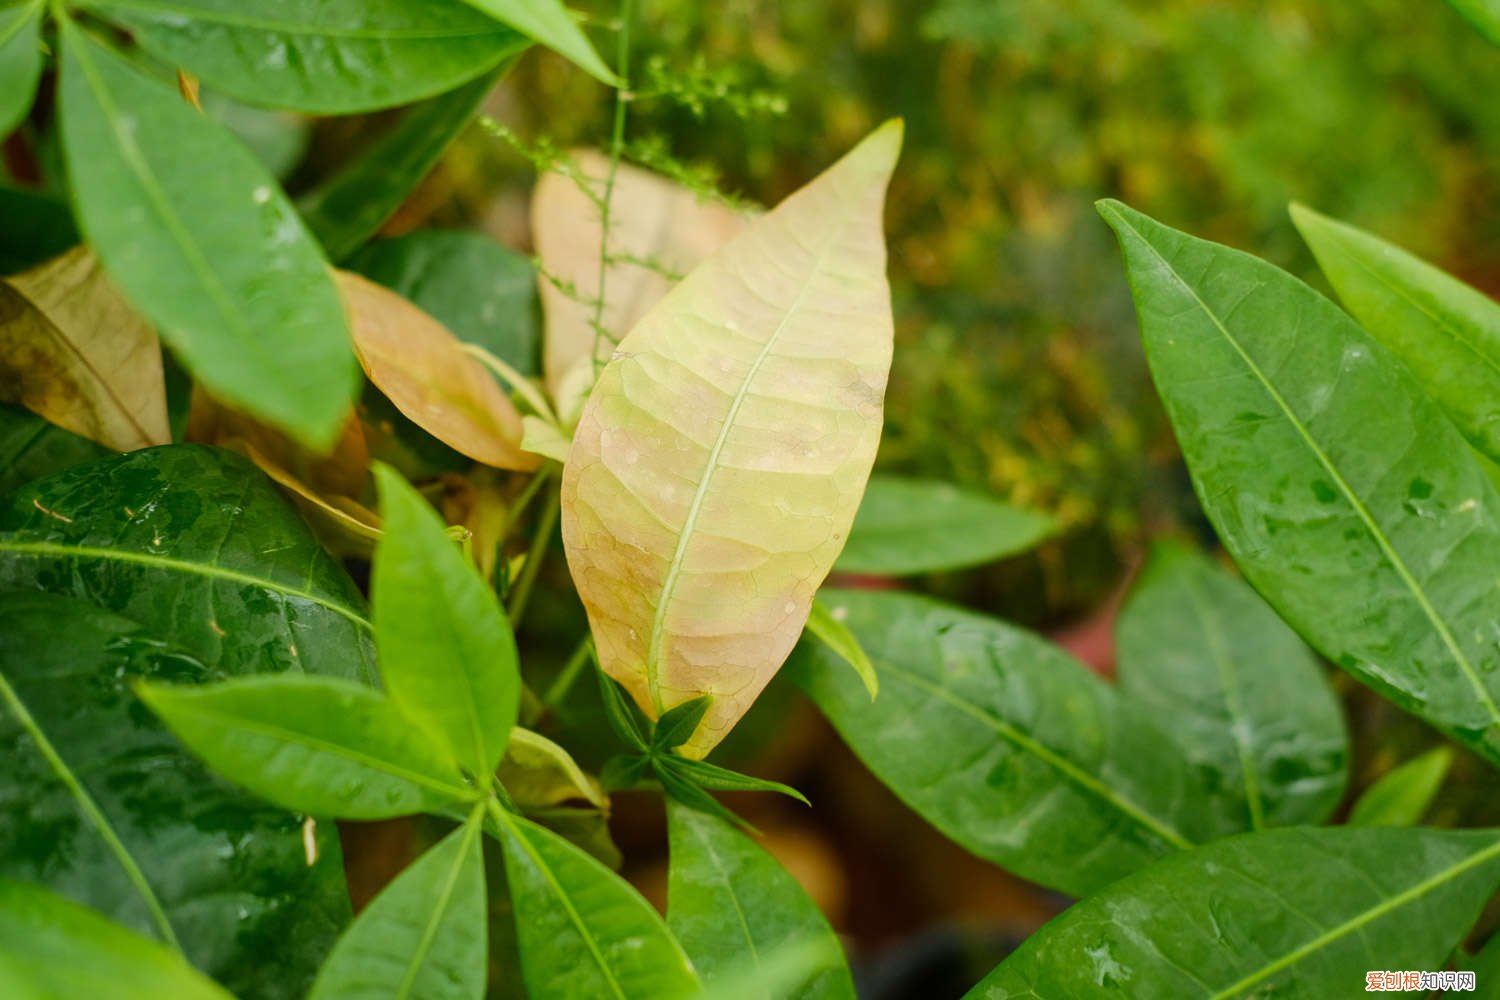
{"x": 200, "y": 702}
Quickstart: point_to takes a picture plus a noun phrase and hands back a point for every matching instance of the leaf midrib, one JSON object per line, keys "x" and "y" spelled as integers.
{"x": 210, "y": 570}
{"x": 734, "y": 897}
{"x": 1358, "y": 921}
{"x": 439, "y": 911}
{"x": 1383, "y": 543}
{"x": 689, "y": 525}
{"x": 1047, "y": 756}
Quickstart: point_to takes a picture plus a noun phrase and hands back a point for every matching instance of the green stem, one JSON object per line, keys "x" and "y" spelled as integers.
{"x": 616, "y": 151}
{"x": 516, "y": 608}
{"x": 568, "y": 675}
{"x": 524, "y": 498}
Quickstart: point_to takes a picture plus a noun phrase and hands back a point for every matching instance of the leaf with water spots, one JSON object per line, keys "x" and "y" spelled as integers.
{"x": 1344, "y": 493}
{"x": 719, "y": 461}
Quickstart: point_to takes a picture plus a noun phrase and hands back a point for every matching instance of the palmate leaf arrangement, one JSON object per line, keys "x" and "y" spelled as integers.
{"x": 192, "y": 690}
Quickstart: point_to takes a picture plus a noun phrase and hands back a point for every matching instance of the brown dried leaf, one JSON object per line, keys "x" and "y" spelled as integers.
{"x": 73, "y": 351}
{"x": 423, "y": 369}
{"x": 652, "y": 219}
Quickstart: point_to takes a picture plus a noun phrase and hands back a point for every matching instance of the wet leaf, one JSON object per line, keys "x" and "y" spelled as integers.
{"x": 73, "y": 350}
{"x": 323, "y": 58}
{"x": 716, "y": 872}
{"x": 31, "y": 448}
{"x": 1403, "y": 795}
{"x": 719, "y": 461}
{"x": 1006, "y": 744}
{"x": 481, "y": 291}
{"x": 1328, "y": 474}
{"x": 348, "y": 207}
{"x": 1446, "y": 333}
{"x": 200, "y": 238}
{"x": 906, "y": 526}
{"x": 424, "y": 936}
{"x": 100, "y": 803}
{"x": 314, "y": 744}
{"x": 1201, "y": 650}
{"x": 197, "y": 545}
{"x": 447, "y": 655}
{"x": 659, "y": 231}
{"x": 1284, "y": 913}
{"x": 51, "y": 948}
{"x": 422, "y": 368}
{"x": 552, "y": 24}
{"x": 584, "y": 932}
{"x": 20, "y": 61}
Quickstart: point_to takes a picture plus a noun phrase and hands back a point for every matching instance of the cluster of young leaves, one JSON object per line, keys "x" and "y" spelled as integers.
{"x": 193, "y": 229}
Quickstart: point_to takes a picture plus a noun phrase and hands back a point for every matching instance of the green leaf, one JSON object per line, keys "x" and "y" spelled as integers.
{"x": 314, "y": 744}
{"x": 51, "y": 948}
{"x": 1484, "y": 15}
{"x": 1403, "y": 795}
{"x": 1446, "y": 333}
{"x": 537, "y": 773}
{"x": 197, "y": 545}
{"x": 584, "y": 931}
{"x": 907, "y": 526}
{"x": 30, "y": 448}
{"x": 485, "y": 293}
{"x": 1486, "y": 964}
{"x": 1346, "y": 496}
{"x": 678, "y": 723}
{"x": 37, "y": 228}
{"x": 719, "y": 460}
{"x": 1284, "y": 913}
{"x": 730, "y": 903}
{"x": 201, "y": 239}
{"x": 323, "y": 58}
{"x": 447, "y": 656}
{"x": 721, "y": 779}
{"x": 425, "y": 935}
{"x": 549, "y": 22}
{"x": 1006, "y": 744}
{"x": 20, "y": 62}
{"x": 1248, "y": 703}
{"x": 101, "y": 804}
{"x": 621, "y": 712}
{"x": 350, "y": 206}
{"x": 833, "y": 633}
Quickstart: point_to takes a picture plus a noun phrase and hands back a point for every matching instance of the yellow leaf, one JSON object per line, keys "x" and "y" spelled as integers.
{"x": 719, "y": 461}
{"x": 423, "y": 369}
{"x": 658, "y": 230}
{"x": 73, "y": 351}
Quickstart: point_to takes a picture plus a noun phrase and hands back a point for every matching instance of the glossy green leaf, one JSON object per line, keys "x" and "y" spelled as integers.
{"x": 1402, "y": 796}
{"x": 1446, "y": 333}
{"x": 30, "y": 448}
{"x": 1283, "y": 913}
{"x": 552, "y": 24}
{"x": 101, "y": 804}
{"x": 1484, "y": 15}
{"x": 1006, "y": 744}
{"x": 719, "y": 460}
{"x": 584, "y": 931}
{"x": 314, "y": 744}
{"x": 1202, "y": 652}
{"x": 197, "y": 545}
{"x": 200, "y": 238}
{"x": 1346, "y": 496}
{"x": 721, "y": 779}
{"x": 20, "y": 61}
{"x": 350, "y": 205}
{"x": 447, "y": 656}
{"x": 37, "y": 228}
{"x": 52, "y": 949}
{"x": 833, "y": 633}
{"x": 425, "y": 936}
{"x": 907, "y": 526}
{"x": 326, "y": 58}
{"x": 731, "y": 904}
{"x": 485, "y": 293}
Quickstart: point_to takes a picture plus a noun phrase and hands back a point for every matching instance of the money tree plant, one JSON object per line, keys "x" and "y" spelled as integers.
{"x": 268, "y": 585}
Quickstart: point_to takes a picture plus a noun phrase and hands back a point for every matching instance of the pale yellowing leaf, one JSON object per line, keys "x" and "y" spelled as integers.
{"x": 719, "y": 461}
{"x": 74, "y": 352}
{"x": 423, "y": 369}
{"x": 658, "y": 230}
{"x": 538, "y": 773}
